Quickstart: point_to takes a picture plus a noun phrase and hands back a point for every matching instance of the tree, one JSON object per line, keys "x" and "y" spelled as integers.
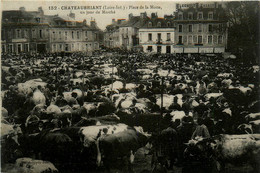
{"x": 243, "y": 31}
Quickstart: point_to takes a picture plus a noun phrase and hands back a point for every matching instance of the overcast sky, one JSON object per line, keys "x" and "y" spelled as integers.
{"x": 167, "y": 7}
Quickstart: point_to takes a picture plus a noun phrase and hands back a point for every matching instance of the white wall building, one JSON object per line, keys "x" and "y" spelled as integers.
{"x": 158, "y": 40}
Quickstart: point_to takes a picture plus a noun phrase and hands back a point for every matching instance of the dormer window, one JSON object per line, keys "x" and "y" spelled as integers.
{"x": 38, "y": 19}
{"x": 150, "y": 24}
{"x": 159, "y": 24}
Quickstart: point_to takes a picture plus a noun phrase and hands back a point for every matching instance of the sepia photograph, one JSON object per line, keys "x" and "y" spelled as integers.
{"x": 130, "y": 86}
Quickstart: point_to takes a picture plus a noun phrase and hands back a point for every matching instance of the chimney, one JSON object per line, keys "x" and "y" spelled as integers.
{"x": 143, "y": 15}
{"x": 130, "y": 16}
{"x": 40, "y": 10}
{"x": 22, "y": 8}
{"x": 113, "y": 21}
{"x": 154, "y": 15}
{"x": 84, "y": 22}
{"x": 93, "y": 23}
{"x": 177, "y": 6}
{"x": 72, "y": 15}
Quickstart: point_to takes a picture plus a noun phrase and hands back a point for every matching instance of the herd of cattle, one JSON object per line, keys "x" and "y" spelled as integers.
{"x": 92, "y": 114}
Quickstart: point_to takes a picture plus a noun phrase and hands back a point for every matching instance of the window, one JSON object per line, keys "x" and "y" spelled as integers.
{"x": 18, "y": 33}
{"x": 38, "y": 19}
{"x": 72, "y": 34}
{"x": 190, "y": 28}
{"x": 200, "y": 15}
{"x": 54, "y": 47}
{"x": 9, "y": 33}
{"x": 190, "y": 16}
{"x": 159, "y": 49}
{"x": 159, "y": 36}
{"x": 168, "y": 36}
{"x": 149, "y": 37}
{"x": 180, "y": 16}
{"x": 54, "y": 37}
{"x": 33, "y": 33}
{"x": 10, "y": 49}
{"x": 66, "y": 47}
{"x": 200, "y": 39}
{"x": 210, "y": 39}
{"x": 19, "y": 48}
{"x": 86, "y": 34}
{"x": 210, "y": 28}
{"x": 200, "y": 28}
{"x": 180, "y": 28}
{"x": 66, "y": 35}
{"x": 159, "y": 24}
{"x": 180, "y": 40}
{"x": 60, "y": 35}
{"x": 168, "y": 24}
{"x": 61, "y": 47}
{"x": 220, "y": 39}
{"x": 26, "y": 33}
{"x": 26, "y": 47}
{"x": 195, "y": 39}
{"x": 72, "y": 46}
{"x": 3, "y": 48}
{"x": 220, "y": 27}
{"x": 40, "y": 33}
{"x": 190, "y": 39}
{"x": 210, "y": 15}
{"x": 150, "y": 24}
{"x": 77, "y": 34}
{"x": 150, "y": 48}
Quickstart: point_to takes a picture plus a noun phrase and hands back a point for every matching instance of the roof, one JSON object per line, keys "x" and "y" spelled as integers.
{"x": 143, "y": 22}
{"x": 22, "y": 17}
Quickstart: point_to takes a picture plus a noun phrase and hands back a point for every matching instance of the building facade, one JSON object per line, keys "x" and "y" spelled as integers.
{"x": 200, "y": 28}
{"x": 193, "y": 28}
{"x": 33, "y": 31}
{"x": 121, "y": 34}
{"x": 157, "y": 34}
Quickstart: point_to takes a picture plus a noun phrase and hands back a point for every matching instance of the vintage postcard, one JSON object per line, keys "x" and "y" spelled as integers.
{"x": 130, "y": 86}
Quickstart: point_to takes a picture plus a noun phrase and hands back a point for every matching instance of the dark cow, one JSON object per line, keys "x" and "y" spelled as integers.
{"x": 54, "y": 146}
{"x": 120, "y": 145}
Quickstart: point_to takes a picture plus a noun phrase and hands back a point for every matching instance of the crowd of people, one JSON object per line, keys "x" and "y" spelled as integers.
{"x": 196, "y": 95}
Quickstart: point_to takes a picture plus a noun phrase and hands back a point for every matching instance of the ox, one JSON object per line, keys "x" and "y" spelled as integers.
{"x": 232, "y": 149}
{"x": 120, "y": 145}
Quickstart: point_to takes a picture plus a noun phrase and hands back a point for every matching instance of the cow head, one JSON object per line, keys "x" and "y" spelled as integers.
{"x": 15, "y": 134}
{"x": 201, "y": 148}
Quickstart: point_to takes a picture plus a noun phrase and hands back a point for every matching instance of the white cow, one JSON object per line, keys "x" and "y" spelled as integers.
{"x": 91, "y": 133}
{"x": 36, "y": 166}
{"x": 253, "y": 116}
{"x": 38, "y": 98}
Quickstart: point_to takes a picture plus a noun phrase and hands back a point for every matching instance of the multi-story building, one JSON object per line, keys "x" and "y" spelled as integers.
{"x": 200, "y": 28}
{"x": 157, "y": 34}
{"x": 111, "y": 35}
{"x": 123, "y": 33}
{"x": 33, "y": 31}
{"x": 194, "y": 28}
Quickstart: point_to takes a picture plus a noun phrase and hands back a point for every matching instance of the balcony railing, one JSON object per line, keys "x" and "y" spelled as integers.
{"x": 159, "y": 41}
